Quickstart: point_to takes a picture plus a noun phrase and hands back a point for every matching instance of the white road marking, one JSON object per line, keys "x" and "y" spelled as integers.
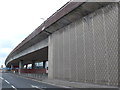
{"x": 7, "y": 81}
{"x": 36, "y": 87}
{"x": 13, "y": 87}
{"x": 1, "y": 78}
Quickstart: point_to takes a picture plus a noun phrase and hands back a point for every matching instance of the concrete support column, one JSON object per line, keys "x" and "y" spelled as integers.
{"x": 11, "y": 67}
{"x": 44, "y": 64}
{"x": 33, "y": 64}
{"x": 20, "y": 66}
{"x": 26, "y": 66}
{"x": 50, "y": 58}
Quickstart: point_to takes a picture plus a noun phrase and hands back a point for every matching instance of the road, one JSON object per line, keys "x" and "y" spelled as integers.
{"x": 15, "y": 82}
{"x": 10, "y": 81}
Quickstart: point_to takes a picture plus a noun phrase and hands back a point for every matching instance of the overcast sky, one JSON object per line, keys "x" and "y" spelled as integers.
{"x": 18, "y": 18}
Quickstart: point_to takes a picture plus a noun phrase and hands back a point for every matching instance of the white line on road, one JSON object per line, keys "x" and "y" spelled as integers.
{"x": 7, "y": 81}
{"x": 1, "y": 78}
{"x": 36, "y": 87}
{"x": 13, "y": 87}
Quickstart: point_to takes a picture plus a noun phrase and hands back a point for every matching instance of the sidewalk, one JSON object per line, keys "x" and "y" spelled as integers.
{"x": 76, "y": 84}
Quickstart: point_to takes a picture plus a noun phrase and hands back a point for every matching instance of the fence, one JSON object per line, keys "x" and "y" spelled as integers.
{"x": 38, "y": 74}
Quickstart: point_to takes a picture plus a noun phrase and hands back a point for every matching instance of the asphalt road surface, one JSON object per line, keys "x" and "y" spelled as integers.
{"x": 15, "y": 82}
{"x": 10, "y": 81}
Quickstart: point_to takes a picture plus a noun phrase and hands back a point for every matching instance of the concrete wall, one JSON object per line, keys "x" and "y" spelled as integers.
{"x": 87, "y": 50}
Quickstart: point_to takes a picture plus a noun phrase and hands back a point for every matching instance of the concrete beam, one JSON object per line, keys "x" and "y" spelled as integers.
{"x": 31, "y": 49}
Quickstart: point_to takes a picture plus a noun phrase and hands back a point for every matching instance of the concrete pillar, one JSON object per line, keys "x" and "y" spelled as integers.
{"x": 20, "y": 66}
{"x": 26, "y": 66}
{"x": 50, "y": 58}
{"x": 11, "y": 67}
{"x": 33, "y": 64}
{"x": 44, "y": 64}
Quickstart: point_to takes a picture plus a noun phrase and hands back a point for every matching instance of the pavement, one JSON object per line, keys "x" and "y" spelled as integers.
{"x": 79, "y": 84}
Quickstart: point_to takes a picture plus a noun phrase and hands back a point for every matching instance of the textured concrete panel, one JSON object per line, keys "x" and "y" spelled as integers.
{"x": 73, "y": 52}
{"x": 66, "y": 58}
{"x": 100, "y": 48}
{"x": 80, "y": 51}
{"x": 89, "y": 54}
{"x": 61, "y": 71}
{"x": 111, "y": 27}
{"x": 87, "y": 49}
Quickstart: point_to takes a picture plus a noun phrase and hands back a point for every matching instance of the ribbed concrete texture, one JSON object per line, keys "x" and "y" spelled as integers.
{"x": 87, "y": 49}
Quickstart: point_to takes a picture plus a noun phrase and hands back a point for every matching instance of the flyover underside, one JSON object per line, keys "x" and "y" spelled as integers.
{"x": 39, "y": 55}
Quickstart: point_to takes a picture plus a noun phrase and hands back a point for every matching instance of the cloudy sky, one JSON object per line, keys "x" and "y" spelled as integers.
{"x": 18, "y": 18}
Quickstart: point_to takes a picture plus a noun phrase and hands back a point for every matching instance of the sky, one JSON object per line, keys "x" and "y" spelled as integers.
{"x": 19, "y": 18}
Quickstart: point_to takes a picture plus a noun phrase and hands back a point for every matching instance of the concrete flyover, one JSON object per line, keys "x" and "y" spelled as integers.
{"x": 79, "y": 41}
